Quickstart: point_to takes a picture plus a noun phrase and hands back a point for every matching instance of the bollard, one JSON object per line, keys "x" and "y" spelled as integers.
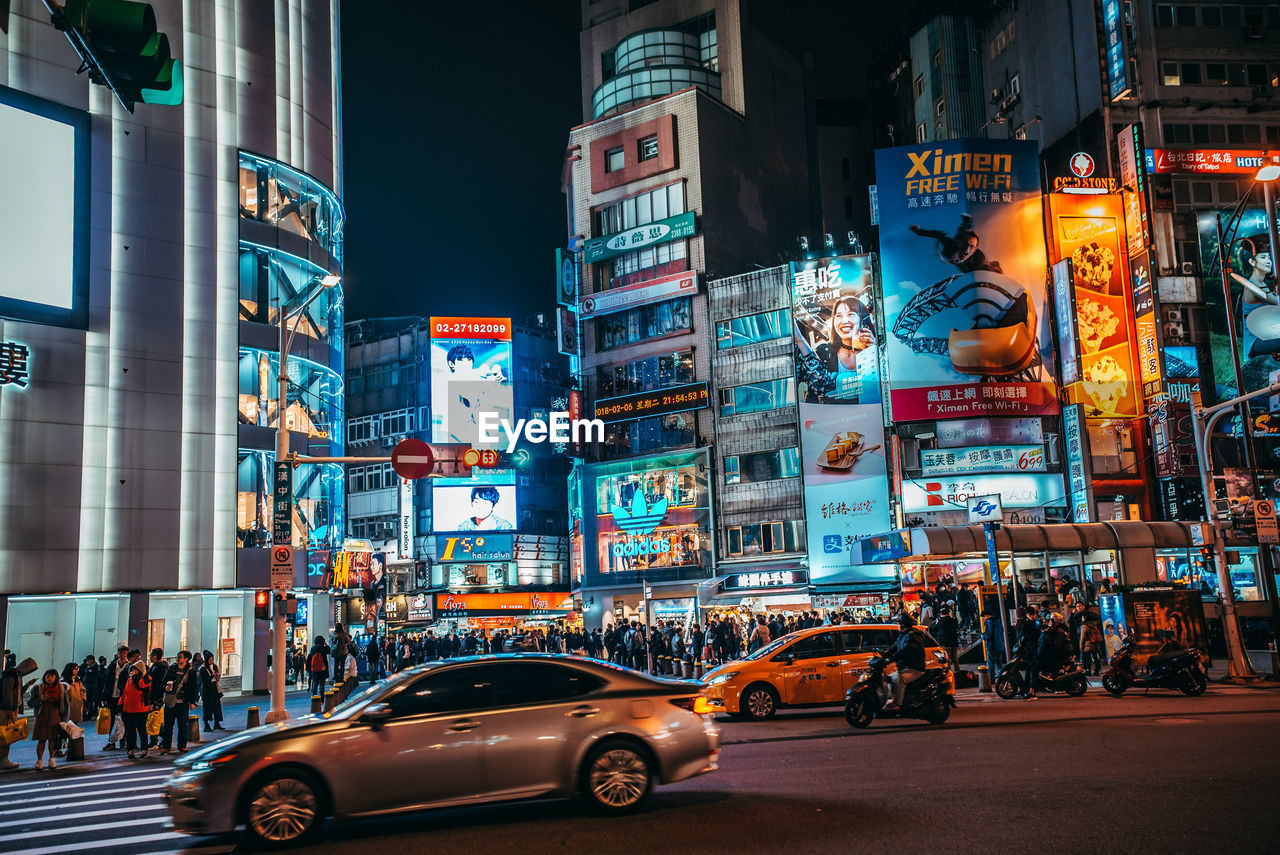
{"x": 697, "y": 670}
{"x": 193, "y": 729}
{"x": 253, "y": 718}
{"x": 1275, "y": 661}
{"x": 686, "y": 668}
{"x": 316, "y": 703}
{"x": 328, "y": 700}
{"x": 984, "y": 679}
{"x": 337, "y": 692}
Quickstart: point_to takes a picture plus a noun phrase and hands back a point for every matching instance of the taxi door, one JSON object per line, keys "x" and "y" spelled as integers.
{"x": 859, "y": 645}
{"x": 813, "y": 675}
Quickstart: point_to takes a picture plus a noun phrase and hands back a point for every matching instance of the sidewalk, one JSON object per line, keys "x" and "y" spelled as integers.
{"x": 235, "y": 712}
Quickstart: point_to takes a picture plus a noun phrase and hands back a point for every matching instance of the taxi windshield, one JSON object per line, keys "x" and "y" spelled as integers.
{"x": 767, "y": 649}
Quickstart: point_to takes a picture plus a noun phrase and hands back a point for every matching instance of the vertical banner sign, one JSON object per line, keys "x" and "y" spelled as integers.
{"x": 1118, "y": 84}
{"x": 1079, "y": 471}
{"x": 1133, "y": 182}
{"x": 405, "y": 541}
{"x": 1089, "y": 231}
{"x": 1064, "y": 306}
{"x": 1146, "y": 326}
{"x": 964, "y": 274}
{"x": 282, "y": 505}
{"x": 470, "y": 374}
{"x": 842, "y": 450}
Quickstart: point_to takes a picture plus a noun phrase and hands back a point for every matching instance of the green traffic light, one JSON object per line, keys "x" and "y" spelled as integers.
{"x": 170, "y": 94}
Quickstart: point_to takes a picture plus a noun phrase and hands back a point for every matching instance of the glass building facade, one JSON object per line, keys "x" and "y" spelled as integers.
{"x": 290, "y": 239}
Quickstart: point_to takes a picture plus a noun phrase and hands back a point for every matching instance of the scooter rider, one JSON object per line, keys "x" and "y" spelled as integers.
{"x": 907, "y": 653}
{"x": 1054, "y": 650}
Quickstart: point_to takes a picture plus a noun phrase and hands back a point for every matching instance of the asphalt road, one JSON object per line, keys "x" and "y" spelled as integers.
{"x": 1162, "y": 773}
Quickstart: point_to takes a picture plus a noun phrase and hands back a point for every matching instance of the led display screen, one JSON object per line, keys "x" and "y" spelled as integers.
{"x": 470, "y": 375}
{"x": 474, "y": 507}
{"x": 44, "y": 213}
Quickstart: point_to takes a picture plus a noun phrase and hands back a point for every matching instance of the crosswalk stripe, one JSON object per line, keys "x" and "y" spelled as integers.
{"x": 58, "y": 795}
{"x": 64, "y": 817}
{"x": 80, "y": 846}
{"x": 117, "y": 800}
{"x": 130, "y": 822}
{"x": 80, "y": 782}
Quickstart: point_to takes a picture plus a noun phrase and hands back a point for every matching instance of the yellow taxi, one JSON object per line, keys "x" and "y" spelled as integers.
{"x": 812, "y": 667}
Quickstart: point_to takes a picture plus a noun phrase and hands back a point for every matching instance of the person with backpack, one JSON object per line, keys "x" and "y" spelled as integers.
{"x": 317, "y": 668}
{"x": 1091, "y": 647}
{"x": 946, "y": 631}
{"x": 181, "y": 690}
{"x": 135, "y": 704}
{"x": 760, "y": 635}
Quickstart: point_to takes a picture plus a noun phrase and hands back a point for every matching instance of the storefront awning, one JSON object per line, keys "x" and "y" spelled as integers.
{"x": 946, "y": 541}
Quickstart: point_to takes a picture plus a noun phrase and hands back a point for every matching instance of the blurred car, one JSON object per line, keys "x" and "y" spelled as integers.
{"x": 458, "y": 732}
{"x": 808, "y": 668}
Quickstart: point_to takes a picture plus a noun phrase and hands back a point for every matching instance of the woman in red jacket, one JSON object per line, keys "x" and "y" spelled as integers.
{"x": 135, "y": 702}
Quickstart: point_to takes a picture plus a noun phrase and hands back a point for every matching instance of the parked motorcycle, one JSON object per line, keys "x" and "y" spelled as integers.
{"x": 929, "y": 698}
{"x": 1169, "y": 668}
{"x": 1012, "y": 678}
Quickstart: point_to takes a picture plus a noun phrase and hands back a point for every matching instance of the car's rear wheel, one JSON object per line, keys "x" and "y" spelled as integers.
{"x": 283, "y": 808}
{"x": 759, "y": 701}
{"x": 618, "y": 777}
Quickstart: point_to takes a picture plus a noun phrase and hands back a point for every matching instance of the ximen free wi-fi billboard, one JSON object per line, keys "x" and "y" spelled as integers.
{"x": 470, "y": 375}
{"x": 963, "y": 269}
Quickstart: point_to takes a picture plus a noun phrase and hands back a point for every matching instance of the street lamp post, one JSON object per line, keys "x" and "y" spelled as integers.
{"x": 278, "y": 666}
{"x": 1203, "y": 421}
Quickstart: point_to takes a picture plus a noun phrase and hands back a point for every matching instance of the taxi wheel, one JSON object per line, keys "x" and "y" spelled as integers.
{"x": 759, "y": 701}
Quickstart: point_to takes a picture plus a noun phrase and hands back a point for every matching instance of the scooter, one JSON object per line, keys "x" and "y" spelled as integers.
{"x": 1012, "y": 678}
{"x": 929, "y": 698}
{"x": 1169, "y": 668}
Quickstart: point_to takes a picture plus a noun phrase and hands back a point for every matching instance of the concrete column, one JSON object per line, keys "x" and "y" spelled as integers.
{"x": 139, "y": 612}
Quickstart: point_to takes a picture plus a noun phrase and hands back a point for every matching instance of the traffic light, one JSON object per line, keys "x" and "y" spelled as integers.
{"x": 121, "y": 48}
{"x": 262, "y": 605}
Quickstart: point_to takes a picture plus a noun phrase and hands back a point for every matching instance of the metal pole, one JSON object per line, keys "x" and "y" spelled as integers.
{"x": 648, "y": 627}
{"x": 1238, "y": 665}
{"x": 1265, "y": 553}
{"x": 993, "y": 562}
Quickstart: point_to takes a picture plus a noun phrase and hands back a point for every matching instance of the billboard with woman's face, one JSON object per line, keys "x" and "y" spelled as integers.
{"x": 833, "y": 305}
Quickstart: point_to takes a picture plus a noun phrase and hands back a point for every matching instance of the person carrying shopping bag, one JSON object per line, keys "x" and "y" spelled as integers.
{"x": 180, "y": 692}
{"x": 135, "y": 705}
{"x": 50, "y": 702}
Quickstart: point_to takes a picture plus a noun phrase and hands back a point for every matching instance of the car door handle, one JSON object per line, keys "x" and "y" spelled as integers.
{"x": 833, "y": 664}
{"x": 582, "y": 712}
{"x": 463, "y": 725}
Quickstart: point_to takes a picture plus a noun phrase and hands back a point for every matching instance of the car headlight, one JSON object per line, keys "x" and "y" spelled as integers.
{"x": 206, "y": 765}
{"x": 721, "y": 679}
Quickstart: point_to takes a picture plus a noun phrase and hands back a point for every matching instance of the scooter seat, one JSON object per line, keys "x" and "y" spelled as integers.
{"x": 1165, "y": 658}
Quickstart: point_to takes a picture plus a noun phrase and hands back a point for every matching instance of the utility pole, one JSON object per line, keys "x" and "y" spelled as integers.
{"x": 1203, "y": 421}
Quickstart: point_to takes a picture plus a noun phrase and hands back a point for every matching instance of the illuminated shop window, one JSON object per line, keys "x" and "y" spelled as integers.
{"x": 645, "y": 375}
{"x": 314, "y": 403}
{"x": 319, "y": 503}
{"x": 752, "y": 329}
{"x": 756, "y": 397}
{"x": 269, "y": 277}
{"x": 272, "y": 192}
{"x": 643, "y": 323}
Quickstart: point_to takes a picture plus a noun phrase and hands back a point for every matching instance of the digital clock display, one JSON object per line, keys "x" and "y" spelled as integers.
{"x": 691, "y": 396}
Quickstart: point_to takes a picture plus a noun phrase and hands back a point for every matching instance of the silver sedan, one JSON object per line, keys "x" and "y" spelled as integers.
{"x": 459, "y": 732}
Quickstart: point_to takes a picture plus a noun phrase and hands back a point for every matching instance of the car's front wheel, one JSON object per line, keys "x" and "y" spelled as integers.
{"x": 759, "y": 701}
{"x": 283, "y": 808}
{"x": 618, "y": 777}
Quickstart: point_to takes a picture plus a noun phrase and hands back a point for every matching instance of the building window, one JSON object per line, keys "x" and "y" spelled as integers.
{"x": 937, "y": 59}
{"x": 647, "y": 148}
{"x": 643, "y": 323}
{"x": 757, "y": 397}
{"x": 918, "y": 86}
{"x": 645, "y": 375}
{"x": 940, "y": 107}
{"x": 640, "y": 210}
{"x": 752, "y": 329}
{"x": 614, "y": 160}
{"x": 922, "y": 132}
{"x": 355, "y": 480}
{"x": 765, "y": 538}
{"x": 762, "y": 466}
{"x": 640, "y": 436}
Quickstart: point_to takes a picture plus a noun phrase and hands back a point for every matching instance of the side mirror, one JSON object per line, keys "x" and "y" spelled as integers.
{"x": 375, "y": 715}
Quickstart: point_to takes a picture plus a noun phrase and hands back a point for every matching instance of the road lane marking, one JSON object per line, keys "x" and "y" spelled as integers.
{"x": 80, "y": 846}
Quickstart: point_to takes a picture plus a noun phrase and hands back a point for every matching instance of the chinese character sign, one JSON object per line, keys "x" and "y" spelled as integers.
{"x": 833, "y": 304}
{"x": 963, "y": 270}
{"x": 15, "y": 364}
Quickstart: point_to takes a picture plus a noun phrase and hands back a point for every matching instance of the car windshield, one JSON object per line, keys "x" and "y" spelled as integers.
{"x": 768, "y": 649}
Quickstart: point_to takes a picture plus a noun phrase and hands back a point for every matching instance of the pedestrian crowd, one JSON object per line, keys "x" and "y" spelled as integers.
{"x": 140, "y": 706}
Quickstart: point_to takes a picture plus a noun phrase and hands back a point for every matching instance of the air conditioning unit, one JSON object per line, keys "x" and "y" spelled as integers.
{"x": 1187, "y": 268}
{"x": 388, "y": 441}
{"x": 1254, "y": 33}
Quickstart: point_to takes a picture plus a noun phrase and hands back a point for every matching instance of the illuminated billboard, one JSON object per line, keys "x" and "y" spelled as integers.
{"x": 470, "y": 374}
{"x": 1089, "y": 230}
{"x": 473, "y": 507}
{"x": 1015, "y": 491}
{"x": 648, "y": 516}
{"x": 963, "y": 271}
{"x": 833, "y": 306}
{"x": 44, "y": 216}
{"x": 1255, "y": 305}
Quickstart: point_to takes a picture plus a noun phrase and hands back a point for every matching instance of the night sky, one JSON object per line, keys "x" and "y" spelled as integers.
{"x": 455, "y": 120}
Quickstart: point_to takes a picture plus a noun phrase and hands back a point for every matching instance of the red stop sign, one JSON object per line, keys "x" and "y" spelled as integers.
{"x": 411, "y": 458}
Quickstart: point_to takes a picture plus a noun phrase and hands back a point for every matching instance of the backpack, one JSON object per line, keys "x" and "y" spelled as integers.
{"x": 317, "y": 663}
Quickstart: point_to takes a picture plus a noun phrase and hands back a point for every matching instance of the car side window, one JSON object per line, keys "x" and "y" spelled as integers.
{"x": 877, "y": 639}
{"x": 851, "y": 639}
{"x": 813, "y": 647}
{"x": 444, "y": 692}
{"x": 514, "y": 684}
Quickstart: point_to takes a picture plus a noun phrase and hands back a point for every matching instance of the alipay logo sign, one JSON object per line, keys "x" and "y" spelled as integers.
{"x": 985, "y": 509}
{"x": 831, "y": 544}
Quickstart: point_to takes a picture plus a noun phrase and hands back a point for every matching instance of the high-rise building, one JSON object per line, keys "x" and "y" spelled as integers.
{"x": 690, "y": 165}
{"x": 139, "y": 448}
